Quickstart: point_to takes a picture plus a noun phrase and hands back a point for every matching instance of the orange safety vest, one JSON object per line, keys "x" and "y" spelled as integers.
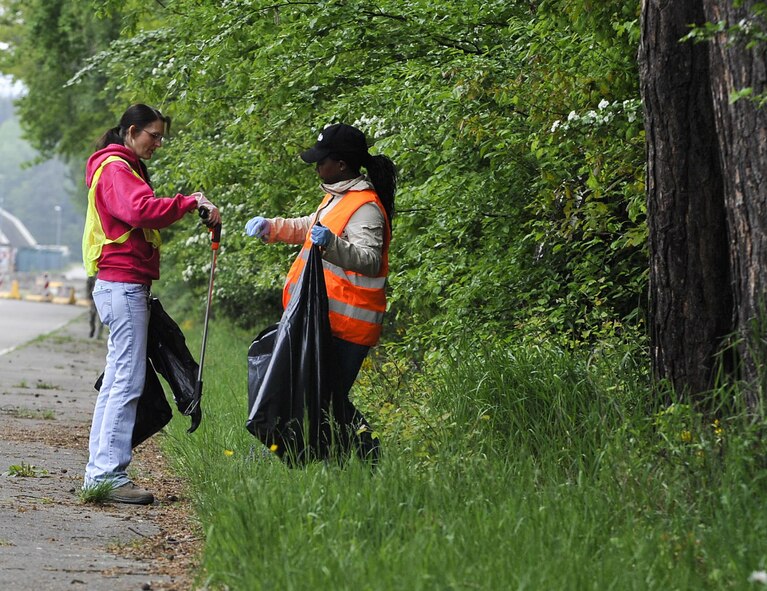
{"x": 356, "y": 302}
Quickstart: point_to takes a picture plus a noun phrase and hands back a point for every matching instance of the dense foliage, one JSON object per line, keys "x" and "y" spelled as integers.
{"x": 514, "y": 126}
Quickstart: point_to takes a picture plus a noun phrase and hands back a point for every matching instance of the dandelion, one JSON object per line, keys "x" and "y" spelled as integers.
{"x": 718, "y": 429}
{"x": 228, "y": 453}
{"x": 685, "y": 436}
{"x": 485, "y": 417}
{"x": 273, "y": 447}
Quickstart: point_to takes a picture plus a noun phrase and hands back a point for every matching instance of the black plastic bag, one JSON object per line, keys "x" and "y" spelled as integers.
{"x": 167, "y": 350}
{"x": 259, "y": 356}
{"x": 153, "y": 411}
{"x": 289, "y": 390}
{"x": 168, "y": 355}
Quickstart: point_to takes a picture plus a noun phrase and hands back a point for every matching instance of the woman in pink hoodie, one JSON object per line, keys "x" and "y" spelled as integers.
{"x": 121, "y": 246}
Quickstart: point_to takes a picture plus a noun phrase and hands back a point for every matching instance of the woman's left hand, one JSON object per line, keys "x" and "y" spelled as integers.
{"x": 321, "y": 236}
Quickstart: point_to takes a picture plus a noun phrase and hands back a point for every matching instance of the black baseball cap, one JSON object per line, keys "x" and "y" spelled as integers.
{"x": 339, "y": 139}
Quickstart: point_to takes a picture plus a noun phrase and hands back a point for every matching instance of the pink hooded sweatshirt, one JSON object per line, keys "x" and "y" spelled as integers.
{"x": 124, "y": 201}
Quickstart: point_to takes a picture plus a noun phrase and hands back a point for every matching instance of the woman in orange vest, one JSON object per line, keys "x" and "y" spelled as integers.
{"x": 353, "y": 227}
{"x": 121, "y": 246}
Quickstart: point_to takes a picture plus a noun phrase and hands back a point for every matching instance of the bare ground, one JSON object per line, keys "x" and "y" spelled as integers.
{"x": 49, "y": 539}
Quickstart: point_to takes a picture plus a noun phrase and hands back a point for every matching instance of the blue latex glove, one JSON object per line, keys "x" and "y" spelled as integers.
{"x": 258, "y": 227}
{"x": 321, "y": 235}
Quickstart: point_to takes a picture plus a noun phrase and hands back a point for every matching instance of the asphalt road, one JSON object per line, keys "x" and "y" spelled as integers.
{"x": 22, "y": 321}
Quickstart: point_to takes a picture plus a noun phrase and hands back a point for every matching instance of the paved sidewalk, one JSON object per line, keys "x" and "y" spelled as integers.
{"x": 49, "y": 540}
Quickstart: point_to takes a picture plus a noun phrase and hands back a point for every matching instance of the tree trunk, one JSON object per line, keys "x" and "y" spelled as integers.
{"x": 742, "y": 131}
{"x": 690, "y": 299}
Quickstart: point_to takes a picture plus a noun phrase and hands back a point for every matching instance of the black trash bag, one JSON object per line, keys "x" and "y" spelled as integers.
{"x": 153, "y": 411}
{"x": 166, "y": 348}
{"x": 290, "y": 390}
{"x": 168, "y": 355}
{"x": 259, "y": 356}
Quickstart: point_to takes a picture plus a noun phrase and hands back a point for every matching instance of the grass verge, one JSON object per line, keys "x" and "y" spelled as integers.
{"x": 503, "y": 468}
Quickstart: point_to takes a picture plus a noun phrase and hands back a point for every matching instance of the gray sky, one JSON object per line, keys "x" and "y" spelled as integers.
{"x": 10, "y": 88}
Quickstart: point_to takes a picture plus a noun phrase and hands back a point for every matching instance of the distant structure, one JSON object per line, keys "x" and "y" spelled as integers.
{"x": 19, "y": 251}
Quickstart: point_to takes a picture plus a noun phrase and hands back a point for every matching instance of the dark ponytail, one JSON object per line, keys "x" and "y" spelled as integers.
{"x": 139, "y": 115}
{"x": 112, "y": 136}
{"x": 383, "y": 175}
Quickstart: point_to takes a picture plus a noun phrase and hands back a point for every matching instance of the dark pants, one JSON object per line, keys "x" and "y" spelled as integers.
{"x": 355, "y": 430}
{"x": 96, "y": 325}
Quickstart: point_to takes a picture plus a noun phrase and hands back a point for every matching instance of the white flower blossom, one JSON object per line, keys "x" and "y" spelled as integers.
{"x": 758, "y": 576}
{"x": 554, "y": 126}
{"x": 603, "y": 104}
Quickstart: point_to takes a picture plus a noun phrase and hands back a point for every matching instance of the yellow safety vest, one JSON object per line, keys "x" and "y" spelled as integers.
{"x": 94, "y": 238}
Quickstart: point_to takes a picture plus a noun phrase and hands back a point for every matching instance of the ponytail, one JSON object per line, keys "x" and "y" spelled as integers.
{"x": 383, "y": 175}
{"x": 111, "y": 136}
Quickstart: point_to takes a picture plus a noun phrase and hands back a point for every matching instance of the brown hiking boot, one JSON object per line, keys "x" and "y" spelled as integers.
{"x": 130, "y": 493}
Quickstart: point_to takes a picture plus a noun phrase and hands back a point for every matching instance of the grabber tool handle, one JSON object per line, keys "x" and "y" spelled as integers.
{"x": 215, "y": 231}
{"x": 215, "y": 243}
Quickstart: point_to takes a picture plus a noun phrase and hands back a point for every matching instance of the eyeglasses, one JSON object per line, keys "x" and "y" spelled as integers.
{"x": 157, "y": 137}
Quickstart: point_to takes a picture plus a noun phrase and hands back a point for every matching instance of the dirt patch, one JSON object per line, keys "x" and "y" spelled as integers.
{"x": 176, "y": 549}
{"x": 50, "y": 539}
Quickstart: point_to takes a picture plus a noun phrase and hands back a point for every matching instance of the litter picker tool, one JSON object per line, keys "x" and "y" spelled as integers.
{"x": 215, "y": 242}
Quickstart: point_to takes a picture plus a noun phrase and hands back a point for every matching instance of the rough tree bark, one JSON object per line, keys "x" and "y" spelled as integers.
{"x": 742, "y": 131}
{"x": 690, "y": 299}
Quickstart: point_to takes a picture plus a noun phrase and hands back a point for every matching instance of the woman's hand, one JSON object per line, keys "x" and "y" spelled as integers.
{"x": 258, "y": 227}
{"x": 214, "y": 217}
{"x": 321, "y": 235}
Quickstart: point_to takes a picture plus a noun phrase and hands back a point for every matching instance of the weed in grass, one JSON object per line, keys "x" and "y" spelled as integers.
{"x": 22, "y": 384}
{"x": 6, "y": 543}
{"x": 123, "y": 547}
{"x": 25, "y": 470}
{"x": 96, "y": 494}
{"x": 40, "y": 385}
{"x": 27, "y": 413}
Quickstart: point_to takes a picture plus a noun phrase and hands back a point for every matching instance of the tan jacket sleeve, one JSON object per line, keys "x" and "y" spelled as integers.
{"x": 359, "y": 248}
{"x": 289, "y": 230}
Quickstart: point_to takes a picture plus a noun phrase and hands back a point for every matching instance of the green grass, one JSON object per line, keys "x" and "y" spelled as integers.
{"x": 525, "y": 468}
{"x": 44, "y": 414}
{"x": 25, "y": 470}
{"x": 97, "y": 494}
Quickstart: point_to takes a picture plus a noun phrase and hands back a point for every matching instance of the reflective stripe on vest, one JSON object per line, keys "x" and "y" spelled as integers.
{"x": 356, "y": 302}
{"x": 354, "y": 278}
{"x": 94, "y": 238}
{"x": 350, "y": 310}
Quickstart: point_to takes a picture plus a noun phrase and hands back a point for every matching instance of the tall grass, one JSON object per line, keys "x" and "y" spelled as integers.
{"x": 503, "y": 468}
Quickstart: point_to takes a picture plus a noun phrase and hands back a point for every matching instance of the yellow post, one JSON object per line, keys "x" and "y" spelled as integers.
{"x": 15, "y": 294}
{"x": 72, "y": 299}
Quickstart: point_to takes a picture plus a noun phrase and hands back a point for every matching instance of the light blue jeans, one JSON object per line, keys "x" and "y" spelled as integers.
{"x": 124, "y": 309}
